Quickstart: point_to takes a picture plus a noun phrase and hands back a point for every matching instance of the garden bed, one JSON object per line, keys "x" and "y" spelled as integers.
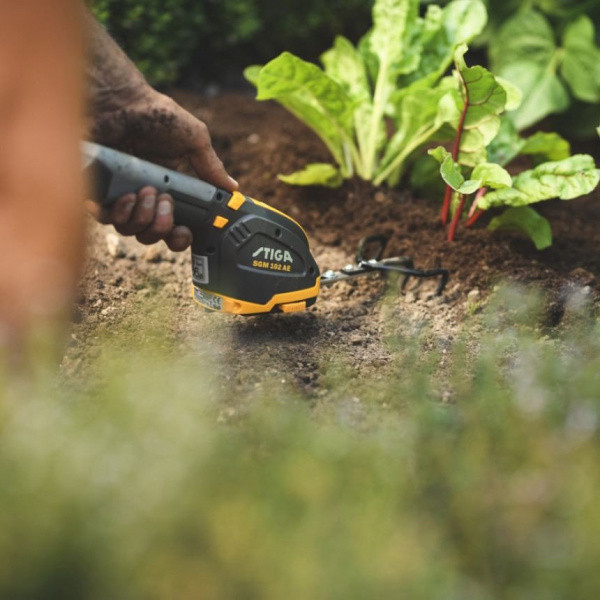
{"x": 349, "y": 322}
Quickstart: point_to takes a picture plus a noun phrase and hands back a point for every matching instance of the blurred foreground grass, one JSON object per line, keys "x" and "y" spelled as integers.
{"x": 138, "y": 484}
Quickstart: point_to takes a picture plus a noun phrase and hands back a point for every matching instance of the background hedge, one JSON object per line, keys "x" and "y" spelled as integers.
{"x": 172, "y": 40}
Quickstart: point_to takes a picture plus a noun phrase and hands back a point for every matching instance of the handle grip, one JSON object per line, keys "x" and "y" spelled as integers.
{"x": 115, "y": 174}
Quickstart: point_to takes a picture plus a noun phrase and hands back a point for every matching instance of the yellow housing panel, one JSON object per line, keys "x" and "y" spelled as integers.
{"x": 288, "y": 302}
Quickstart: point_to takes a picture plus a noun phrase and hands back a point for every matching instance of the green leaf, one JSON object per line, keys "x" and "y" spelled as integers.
{"x": 315, "y": 174}
{"x": 393, "y": 22}
{"x": 486, "y": 100}
{"x": 543, "y": 92}
{"x": 514, "y": 95}
{"x": 506, "y": 145}
{"x": 565, "y": 179}
{"x": 442, "y": 31}
{"x": 288, "y": 75}
{"x": 418, "y": 119}
{"x": 524, "y": 52}
{"x": 483, "y": 175}
{"x": 452, "y": 174}
{"x": 313, "y": 97}
{"x": 463, "y": 21}
{"x": 527, "y": 36}
{"x": 251, "y": 73}
{"x": 581, "y": 62}
{"x": 344, "y": 64}
{"x": 492, "y": 175}
{"x": 526, "y": 220}
{"x": 546, "y": 146}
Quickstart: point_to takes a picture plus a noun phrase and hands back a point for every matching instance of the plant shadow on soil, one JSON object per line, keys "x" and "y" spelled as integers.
{"x": 351, "y": 322}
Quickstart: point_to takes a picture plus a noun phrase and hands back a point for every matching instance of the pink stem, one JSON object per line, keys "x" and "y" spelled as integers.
{"x": 480, "y": 194}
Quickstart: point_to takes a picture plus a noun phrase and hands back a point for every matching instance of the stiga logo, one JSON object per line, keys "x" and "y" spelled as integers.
{"x": 273, "y": 254}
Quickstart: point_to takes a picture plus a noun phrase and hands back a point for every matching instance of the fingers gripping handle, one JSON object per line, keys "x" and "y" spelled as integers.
{"x": 114, "y": 174}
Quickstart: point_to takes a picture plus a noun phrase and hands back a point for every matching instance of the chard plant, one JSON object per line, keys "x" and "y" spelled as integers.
{"x": 393, "y": 80}
{"x": 485, "y": 141}
{"x": 380, "y": 105}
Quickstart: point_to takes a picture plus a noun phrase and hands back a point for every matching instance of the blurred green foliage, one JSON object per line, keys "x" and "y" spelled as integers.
{"x": 214, "y": 38}
{"x": 158, "y": 35}
{"x": 561, "y": 10}
{"x": 150, "y": 481}
{"x": 526, "y": 44}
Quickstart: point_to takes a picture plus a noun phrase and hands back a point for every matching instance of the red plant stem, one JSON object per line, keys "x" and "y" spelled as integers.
{"x": 474, "y": 218}
{"x": 456, "y": 150}
{"x": 446, "y": 205}
{"x": 456, "y": 218}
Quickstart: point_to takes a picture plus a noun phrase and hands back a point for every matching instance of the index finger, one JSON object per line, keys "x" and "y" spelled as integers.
{"x": 209, "y": 167}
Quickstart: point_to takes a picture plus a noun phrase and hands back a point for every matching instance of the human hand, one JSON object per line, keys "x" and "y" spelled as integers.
{"x": 147, "y": 215}
{"x": 153, "y": 126}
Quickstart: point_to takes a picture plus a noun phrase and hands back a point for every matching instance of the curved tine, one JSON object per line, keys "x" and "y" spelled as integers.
{"x": 382, "y": 240}
{"x": 402, "y": 261}
{"x": 443, "y": 274}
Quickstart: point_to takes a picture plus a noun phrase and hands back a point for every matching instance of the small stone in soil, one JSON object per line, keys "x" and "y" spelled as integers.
{"x": 582, "y": 276}
{"x": 115, "y": 246}
{"x": 154, "y": 254}
{"x": 473, "y": 296}
{"x": 330, "y": 238}
{"x": 356, "y": 339}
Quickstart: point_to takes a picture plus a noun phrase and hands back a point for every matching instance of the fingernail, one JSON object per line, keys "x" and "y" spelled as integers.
{"x": 128, "y": 209}
{"x": 233, "y": 182}
{"x": 149, "y": 201}
{"x": 164, "y": 207}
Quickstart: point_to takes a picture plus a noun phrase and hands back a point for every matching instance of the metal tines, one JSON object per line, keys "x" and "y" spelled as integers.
{"x": 401, "y": 264}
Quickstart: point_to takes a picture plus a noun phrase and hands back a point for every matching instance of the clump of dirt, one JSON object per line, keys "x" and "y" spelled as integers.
{"x": 350, "y": 321}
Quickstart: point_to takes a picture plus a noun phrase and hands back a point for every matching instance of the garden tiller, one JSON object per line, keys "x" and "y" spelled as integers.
{"x": 247, "y": 257}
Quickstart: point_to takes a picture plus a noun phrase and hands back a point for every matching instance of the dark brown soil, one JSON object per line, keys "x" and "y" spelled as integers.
{"x": 259, "y": 140}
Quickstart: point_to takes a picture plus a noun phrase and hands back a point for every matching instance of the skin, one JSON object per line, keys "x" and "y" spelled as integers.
{"x": 41, "y": 215}
{"x": 130, "y": 116}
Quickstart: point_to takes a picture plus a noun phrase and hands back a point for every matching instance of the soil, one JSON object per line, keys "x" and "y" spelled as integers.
{"x": 351, "y": 321}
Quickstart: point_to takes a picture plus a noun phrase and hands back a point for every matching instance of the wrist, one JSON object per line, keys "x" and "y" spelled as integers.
{"x": 118, "y": 97}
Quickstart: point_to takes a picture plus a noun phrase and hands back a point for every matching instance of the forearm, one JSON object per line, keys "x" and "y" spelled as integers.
{"x": 113, "y": 80}
{"x": 123, "y": 107}
{"x": 130, "y": 116}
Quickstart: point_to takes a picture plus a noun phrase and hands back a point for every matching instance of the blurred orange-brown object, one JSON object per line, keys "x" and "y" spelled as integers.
{"x": 41, "y": 186}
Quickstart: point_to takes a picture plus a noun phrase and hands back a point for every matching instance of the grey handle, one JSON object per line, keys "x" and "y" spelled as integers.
{"x": 115, "y": 174}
